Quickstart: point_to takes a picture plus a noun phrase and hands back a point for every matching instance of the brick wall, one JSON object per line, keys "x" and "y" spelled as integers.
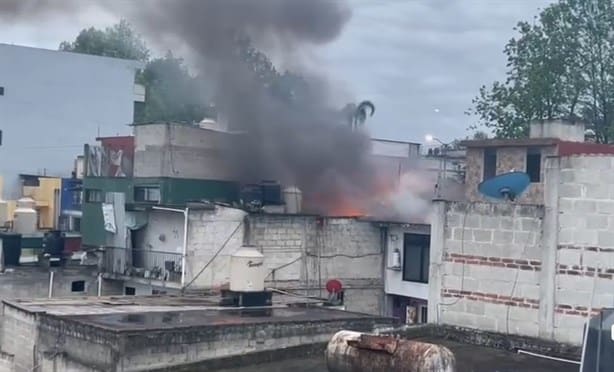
{"x": 508, "y": 158}
{"x": 303, "y": 252}
{"x": 585, "y": 242}
{"x": 490, "y": 267}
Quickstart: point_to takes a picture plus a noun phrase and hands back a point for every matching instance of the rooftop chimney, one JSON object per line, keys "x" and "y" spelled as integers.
{"x": 559, "y": 128}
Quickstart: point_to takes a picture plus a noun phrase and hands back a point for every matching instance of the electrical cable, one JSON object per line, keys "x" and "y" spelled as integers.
{"x": 524, "y": 249}
{"x": 212, "y": 258}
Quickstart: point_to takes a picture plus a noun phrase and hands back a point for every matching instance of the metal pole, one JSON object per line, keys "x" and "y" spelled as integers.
{"x": 185, "y": 245}
{"x": 99, "y": 284}
{"x": 51, "y": 283}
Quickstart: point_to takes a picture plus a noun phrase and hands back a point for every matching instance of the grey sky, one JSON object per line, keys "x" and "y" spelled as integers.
{"x": 420, "y": 61}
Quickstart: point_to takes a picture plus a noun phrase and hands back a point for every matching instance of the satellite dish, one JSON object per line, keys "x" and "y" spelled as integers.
{"x": 506, "y": 186}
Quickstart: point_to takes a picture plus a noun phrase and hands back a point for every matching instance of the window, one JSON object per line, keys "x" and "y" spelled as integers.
{"x": 78, "y": 286}
{"x": 1, "y": 91}
{"x": 423, "y": 314}
{"x": 534, "y": 164}
{"x": 147, "y": 194}
{"x": 130, "y": 291}
{"x": 416, "y": 250}
{"x": 93, "y": 196}
{"x": 490, "y": 163}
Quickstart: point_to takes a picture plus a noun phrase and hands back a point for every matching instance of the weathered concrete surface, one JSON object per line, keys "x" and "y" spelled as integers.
{"x": 161, "y": 340}
{"x": 351, "y": 351}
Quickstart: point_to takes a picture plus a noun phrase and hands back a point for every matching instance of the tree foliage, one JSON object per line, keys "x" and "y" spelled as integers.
{"x": 118, "y": 41}
{"x": 172, "y": 94}
{"x": 560, "y": 66}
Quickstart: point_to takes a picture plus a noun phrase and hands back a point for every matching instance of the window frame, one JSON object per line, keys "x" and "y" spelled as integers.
{"x": 535, "y": 176}
{"x": 420, "y": 242}
{"x": 80, "y": 284}
{"x": 89, "y": 196}
{"x": 147, "y": 189}
{"x": 489, "y": 153}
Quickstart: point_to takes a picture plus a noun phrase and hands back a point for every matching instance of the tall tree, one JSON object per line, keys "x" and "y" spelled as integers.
{"x": 560, "y": 66}
{"x": 118, "y": 41}
{"x": 172, "y": 94}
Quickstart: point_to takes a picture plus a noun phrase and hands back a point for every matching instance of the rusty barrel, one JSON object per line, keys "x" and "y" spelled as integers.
{"x": 350, "y": 351}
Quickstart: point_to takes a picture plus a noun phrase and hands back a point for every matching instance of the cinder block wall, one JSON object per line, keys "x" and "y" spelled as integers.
{"x": 585, "y": 243}
{"x": 19, "y": 334}
{"x": 303, "y": 252}
{"x": 490, "y": 266}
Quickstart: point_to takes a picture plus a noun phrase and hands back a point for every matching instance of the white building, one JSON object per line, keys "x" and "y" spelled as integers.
{"x": 52, "y": 102}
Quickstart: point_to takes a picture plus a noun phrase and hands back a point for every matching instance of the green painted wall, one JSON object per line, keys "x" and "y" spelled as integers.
{"x": 174, "y": 192}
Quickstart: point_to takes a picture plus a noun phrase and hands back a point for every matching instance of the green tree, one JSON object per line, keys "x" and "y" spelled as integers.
{"x": 560, "y": 66}
{"x": 118, "y": 41}
{"x": 172, "y": 94}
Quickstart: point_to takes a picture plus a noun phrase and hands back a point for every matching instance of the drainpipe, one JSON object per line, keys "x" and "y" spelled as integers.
{"x": 184, "y": 249}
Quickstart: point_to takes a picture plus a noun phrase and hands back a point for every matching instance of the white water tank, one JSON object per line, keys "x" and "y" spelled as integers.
{"x": 247, "y": 270}
{"x": 293, "y": 199}
{"x": 25, "y": 217}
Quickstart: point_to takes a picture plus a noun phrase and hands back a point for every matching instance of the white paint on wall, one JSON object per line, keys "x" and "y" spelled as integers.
{"x": 54, "y": 102}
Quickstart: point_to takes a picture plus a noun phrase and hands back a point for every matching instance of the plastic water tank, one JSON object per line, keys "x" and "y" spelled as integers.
{"x": 4, "y": 212}
{"x": 247, "y": 270}
{"x": 293, "y": 199}
{"x": 25, "y": 217}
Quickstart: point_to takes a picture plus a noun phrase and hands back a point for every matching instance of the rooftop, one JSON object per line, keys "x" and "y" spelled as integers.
{"x": 134, "y": 304}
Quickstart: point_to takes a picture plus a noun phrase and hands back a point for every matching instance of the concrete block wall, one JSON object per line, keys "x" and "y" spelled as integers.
{"x": 585, "y": 250}
{"x": 490, "y": 267}
{"x": 179, "y": 150}
{"x": 303, "y": 252}
{"x": 7, "y": 362}
{"x": 208, "y": 231}
{"x": 19, "y": 333}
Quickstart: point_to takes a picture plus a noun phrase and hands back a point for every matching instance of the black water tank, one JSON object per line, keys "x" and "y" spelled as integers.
{"x": 251, "y": 193}
{"x": 271, "y": 191}
{"x": 53, "y": 243}
{"x": 11, "y": 248}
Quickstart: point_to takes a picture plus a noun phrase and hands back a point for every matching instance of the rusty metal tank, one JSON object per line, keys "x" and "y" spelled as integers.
{"x": 350, "y": 351}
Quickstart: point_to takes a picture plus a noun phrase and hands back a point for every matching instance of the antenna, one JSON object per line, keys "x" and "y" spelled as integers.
{"x": 506, "y": 186}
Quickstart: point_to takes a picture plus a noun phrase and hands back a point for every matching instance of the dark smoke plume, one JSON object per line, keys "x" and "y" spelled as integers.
{"x": 305, "y": 142}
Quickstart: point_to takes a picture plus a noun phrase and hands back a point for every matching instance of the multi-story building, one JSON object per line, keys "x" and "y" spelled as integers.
{"x": 52, "y": 102}
{"x": 537, "y": 266}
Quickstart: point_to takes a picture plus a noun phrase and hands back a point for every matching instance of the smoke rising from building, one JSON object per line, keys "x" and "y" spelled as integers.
{"x": 303, "y": 142}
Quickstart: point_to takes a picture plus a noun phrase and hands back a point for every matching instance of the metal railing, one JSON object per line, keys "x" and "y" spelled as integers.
{"x": 143, "y": 263}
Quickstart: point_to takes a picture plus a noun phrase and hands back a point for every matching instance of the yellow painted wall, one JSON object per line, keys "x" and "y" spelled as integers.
{"x": 44, "y": 195}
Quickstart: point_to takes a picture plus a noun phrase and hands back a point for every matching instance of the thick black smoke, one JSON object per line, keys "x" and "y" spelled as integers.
{"x": 305, "y": 142}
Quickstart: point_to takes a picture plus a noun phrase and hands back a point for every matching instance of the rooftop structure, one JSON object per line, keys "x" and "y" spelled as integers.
{"x": 157, "y": 333}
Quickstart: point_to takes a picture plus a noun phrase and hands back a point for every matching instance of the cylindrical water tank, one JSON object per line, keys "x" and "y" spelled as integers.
{"x": 25, "y": 217}
{"x": 4, "y": 212}
{"x": 353, "y": 351}
{"x": 247, "y": 271}
{"x": 293, "y": 199}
